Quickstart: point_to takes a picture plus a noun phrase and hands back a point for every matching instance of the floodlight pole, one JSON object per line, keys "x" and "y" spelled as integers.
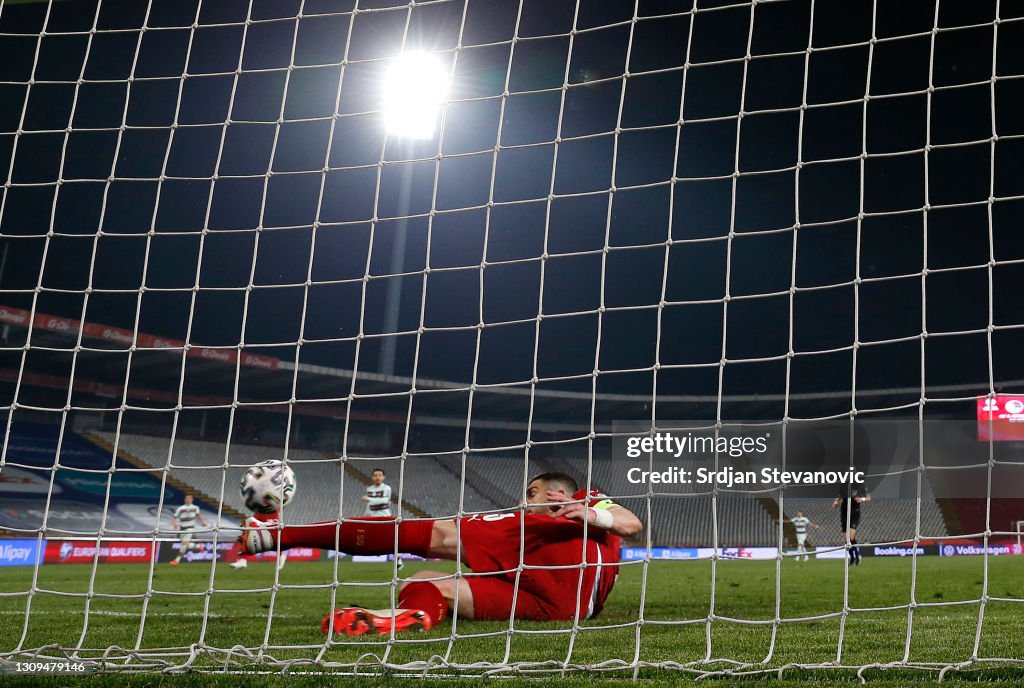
{"x": 408, "y": 104}
{"x": 393, "y": 300}
{"x": 3, "y": 261}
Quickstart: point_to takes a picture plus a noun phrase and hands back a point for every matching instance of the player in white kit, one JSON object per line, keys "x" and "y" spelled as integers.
{"x": 378, "y": 497}
{"x": 184, "y": 521}
{"x": 800, "y": 524}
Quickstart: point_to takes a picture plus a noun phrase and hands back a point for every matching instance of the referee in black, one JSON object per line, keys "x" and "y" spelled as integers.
{"x": 849, "y": 499}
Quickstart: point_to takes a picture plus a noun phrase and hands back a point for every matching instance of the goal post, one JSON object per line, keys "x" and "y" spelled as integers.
{"x": 692, "y": 255}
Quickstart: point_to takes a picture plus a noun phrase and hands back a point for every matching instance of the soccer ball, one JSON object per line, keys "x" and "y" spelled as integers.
{"x": 267, "y": 486}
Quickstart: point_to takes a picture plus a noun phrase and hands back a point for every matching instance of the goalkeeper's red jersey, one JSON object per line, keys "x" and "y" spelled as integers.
{"x": 491, "y": 544}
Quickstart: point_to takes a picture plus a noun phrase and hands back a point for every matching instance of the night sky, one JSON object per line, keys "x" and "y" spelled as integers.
{"x": 137, "y": 160}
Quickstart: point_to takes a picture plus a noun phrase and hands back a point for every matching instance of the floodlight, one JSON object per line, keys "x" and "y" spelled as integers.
{"x": 415, "y": 88}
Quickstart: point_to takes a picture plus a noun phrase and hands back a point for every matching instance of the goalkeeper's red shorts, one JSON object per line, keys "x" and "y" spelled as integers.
{"x": 493, "y": 595}
{"x": 492, "y": 600}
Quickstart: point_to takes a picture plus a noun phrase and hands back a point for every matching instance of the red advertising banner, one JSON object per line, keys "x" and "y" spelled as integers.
{"x": 13, "y": 316}
{"x": 205, "y": 552}
{"x": 51, "y": 323}
{"x": 295, "y": 554}
{"x": 1001, "y": 418}
{"x": 83, "y": 552}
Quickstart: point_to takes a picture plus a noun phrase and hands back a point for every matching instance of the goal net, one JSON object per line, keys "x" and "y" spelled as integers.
{"x": 467, "y": 242}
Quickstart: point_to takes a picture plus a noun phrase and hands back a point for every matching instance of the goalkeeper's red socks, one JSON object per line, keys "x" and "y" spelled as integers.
{"x": 426, "y": 596}
{"x": 365, "y": 535}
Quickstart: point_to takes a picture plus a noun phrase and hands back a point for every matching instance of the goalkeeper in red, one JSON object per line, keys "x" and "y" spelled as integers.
{"x": 566, "y": 539}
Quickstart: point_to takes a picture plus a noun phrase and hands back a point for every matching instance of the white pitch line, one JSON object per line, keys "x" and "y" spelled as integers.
{"x": 108, "y": 612}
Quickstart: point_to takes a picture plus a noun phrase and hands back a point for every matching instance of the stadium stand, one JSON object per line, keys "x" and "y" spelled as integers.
{"x": 85, "y": 498}
{"x": 429, "y": 482}
{"x": 434, "y": 483}
{"x": 689, "y": 521}
{"x": 972, "y": 516}
{"x": 202, "y": 465}
{"x": 501, "y": 476}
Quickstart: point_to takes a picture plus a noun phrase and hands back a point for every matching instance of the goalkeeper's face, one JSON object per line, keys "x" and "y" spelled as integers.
{"x": 537, "y": 500}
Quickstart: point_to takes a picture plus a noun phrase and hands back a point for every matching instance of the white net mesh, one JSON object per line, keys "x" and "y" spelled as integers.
{"x": 215, "y": 253}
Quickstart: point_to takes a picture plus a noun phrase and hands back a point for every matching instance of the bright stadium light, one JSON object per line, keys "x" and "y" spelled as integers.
{"x": 415, "y": 88}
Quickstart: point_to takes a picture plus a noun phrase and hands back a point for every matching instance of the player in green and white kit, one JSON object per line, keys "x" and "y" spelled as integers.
{"x": 378, "y": 495}
{"x": 184, "y": 521}
{"x": 378, "y": 498}
{"x": 800, "y": 524}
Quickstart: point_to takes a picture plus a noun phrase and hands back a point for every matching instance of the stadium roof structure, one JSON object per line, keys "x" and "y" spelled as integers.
{"x": 265, "y": 382}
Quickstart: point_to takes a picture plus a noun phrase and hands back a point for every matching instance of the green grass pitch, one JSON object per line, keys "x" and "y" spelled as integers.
{"x": 676, "y": 591}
